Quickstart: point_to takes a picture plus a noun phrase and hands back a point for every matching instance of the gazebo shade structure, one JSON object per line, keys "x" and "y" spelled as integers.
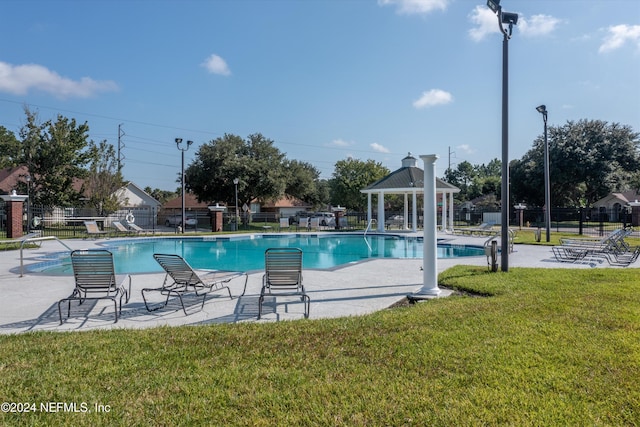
{"x": 408, "y": 181}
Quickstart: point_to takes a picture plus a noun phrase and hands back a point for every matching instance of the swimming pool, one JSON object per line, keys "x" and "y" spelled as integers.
{"x": 246, "y": 253}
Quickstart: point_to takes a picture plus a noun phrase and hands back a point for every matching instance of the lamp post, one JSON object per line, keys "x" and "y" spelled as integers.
{"x": 182, "y": 150}
{"x": 542, "y": 109}
{"x": 28, "y": 180}
{"x": 510, "y": 19}
{"x": 235, "y": 182}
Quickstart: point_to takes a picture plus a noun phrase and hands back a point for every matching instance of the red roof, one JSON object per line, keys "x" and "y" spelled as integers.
{"x": 190, "y": 202}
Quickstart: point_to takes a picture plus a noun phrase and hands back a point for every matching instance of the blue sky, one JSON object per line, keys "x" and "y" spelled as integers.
{"x": 324, "y": 79}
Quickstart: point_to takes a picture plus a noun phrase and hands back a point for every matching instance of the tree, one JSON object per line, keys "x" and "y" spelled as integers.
{"x": 588, "y": 159}
{"x": 56, "y": 154}
{"x": 9, "y": 148}
{"x": 161, "y": 195}
{"x": 256, "y": 162}
{"x": 475, "y": 180}
{"x": 104, "y": 179}
{"x": 349, "y": 177}
{"x": 303, "y": 182}
{"x": 461, "y": 177}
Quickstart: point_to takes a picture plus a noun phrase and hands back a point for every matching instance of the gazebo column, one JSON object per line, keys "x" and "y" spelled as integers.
{"x": 451, "y": 212}
{"x": 368, "y": 209}
{"x": 414, "y": 208}
{"x": 430, "y": 256}
{"x": 406, "y": 212}
{"x": 444, "y": 211}
{"x": 381, "y": 211}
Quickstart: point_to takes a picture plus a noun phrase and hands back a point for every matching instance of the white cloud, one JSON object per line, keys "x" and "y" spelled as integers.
{"x": 340, "y": 143}
{"x": 465, "y": 149}
{"x": 413, "y": 7}
{"x": 216, "y": 65}
{"x": 379, "y": 148}
{"x": 432, "y": 98}
{"x": 20, "y": 79}
{"x": 538, "y": 25}
{"x": 619, "y": 35}
{"x": 485, "y": 22}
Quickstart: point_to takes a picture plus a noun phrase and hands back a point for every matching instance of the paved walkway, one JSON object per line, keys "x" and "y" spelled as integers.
{"x": 30, "y": 303}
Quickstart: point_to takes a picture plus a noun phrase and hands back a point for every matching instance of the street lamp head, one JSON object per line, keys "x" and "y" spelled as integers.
{"x": 509, "y": 18}
{"x": 542, "y": 109}
{"x": 236, "y": 181}
{"x": 189, "y": 143}
{"x": 494, "y": 5}
{"x": 178, "y": 141}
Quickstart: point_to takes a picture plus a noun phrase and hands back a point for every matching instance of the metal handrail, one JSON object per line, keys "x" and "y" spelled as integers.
{"x": 371, "y": 221}
{"x": 36, "y": 239}
{"x": 487, "y": 243}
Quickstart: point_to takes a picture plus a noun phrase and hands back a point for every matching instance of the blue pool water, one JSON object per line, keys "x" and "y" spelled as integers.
{"x": 246, "y": 253}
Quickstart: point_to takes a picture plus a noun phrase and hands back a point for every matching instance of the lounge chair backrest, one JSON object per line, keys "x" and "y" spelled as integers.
{"x": 314, "y": 222}
{"x": 93, "y": 270}
{"x": 93, "y": 229}
{"x": 177, "y": 268}
{"x": 284, "y": 222}
{"x": 304, "y": 222}
{"x": 283, "y": 268}
{"x": 134, "y": 226}
{"x": 118, "y": 226}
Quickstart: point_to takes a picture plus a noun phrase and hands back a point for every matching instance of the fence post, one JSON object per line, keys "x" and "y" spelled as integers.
{"x": 580, "y": 223}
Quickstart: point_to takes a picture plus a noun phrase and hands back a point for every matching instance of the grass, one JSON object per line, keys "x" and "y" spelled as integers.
{"x": 539, "y": 347}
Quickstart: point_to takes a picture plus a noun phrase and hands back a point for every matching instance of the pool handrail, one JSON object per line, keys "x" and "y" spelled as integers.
{"x": 36, "y": 239}
{"x": 371, "y": 221}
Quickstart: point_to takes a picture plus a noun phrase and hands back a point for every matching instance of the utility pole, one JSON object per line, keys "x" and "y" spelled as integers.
{"x": 120, "y": 147}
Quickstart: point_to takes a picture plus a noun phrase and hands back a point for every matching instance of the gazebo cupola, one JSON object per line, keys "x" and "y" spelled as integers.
{"x": 409, "y": 162}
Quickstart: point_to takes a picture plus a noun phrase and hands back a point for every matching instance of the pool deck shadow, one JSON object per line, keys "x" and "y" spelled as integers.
{"x": 30, "y": 303}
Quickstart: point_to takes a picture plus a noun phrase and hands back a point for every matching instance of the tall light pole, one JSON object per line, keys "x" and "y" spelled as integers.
{"x": 235, "y": 182}
{"x": 28, "y": 180}
{"x": 510, "y": 19}
{"x": 182, "y": 150}
{"x": 542, "y": 109}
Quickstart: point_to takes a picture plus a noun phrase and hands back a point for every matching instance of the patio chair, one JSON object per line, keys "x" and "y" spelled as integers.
{"x": 303, "y": 224}
{"x": 284, "y": 223}
{"x": 611, "y": 248}
{"x": 95, "y": 279}
{"x": 93, "y": 229}
{"x": 283, "y": 274}
{"x": 139, "y": 229}
{"x": 181, "y": 279}
{"x": 314, "y": 223}
{"x": 120, "y": 228}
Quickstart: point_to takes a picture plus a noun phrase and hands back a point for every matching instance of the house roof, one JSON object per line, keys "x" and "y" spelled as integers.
{"x": 622, "y": 197}
{"x": 143, "y": 196}
{"x": 287, "y": 202}
{"x": 408, "y": 178}
{"x": 190, "y": 202}
{"x": 10, "y": 177}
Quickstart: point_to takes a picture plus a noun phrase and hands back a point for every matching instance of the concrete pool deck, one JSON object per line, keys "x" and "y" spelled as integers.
{"x": 30, "y": 303}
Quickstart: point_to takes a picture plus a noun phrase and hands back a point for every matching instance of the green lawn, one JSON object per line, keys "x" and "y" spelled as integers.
{"x": 538, "y": 347}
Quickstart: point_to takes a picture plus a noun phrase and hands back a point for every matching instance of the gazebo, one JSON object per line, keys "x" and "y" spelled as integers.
{"x": 409, "y": 180}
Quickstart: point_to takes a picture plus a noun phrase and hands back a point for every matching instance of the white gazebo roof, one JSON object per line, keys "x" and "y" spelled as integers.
{"x": 407, "y": 180}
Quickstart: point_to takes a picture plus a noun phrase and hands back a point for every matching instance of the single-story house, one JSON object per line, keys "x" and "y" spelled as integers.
{"x": 613, "y": 203}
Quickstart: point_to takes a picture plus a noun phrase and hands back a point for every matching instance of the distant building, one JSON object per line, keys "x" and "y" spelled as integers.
{"x": 613, "y": 204}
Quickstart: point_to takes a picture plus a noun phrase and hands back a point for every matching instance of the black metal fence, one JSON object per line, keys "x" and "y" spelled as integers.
{"x": 69, "y": 222}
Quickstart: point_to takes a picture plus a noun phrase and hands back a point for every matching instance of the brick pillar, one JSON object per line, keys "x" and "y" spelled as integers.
{"x": 13, "y": 206}
{"x": 216, "y": 217}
